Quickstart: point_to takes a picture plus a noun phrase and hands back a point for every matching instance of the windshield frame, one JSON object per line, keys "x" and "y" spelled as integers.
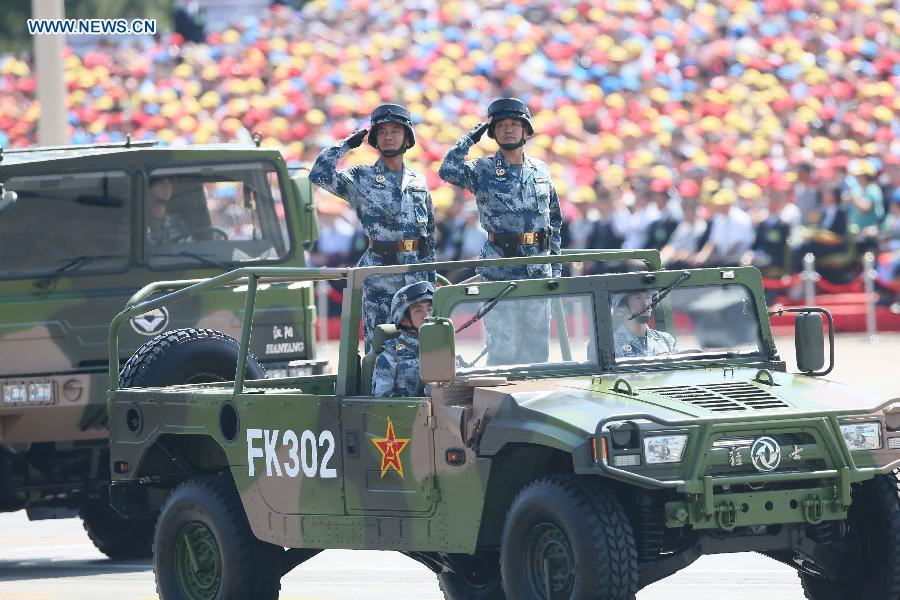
{"x": 602, "y": 287}
{"x": 449, "y": 297}
{"x": 287, "y": 202}
{"x": 700, "y": 278}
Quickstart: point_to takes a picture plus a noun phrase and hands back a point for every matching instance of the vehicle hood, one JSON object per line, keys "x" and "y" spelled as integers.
{"x": 685, "y": 394}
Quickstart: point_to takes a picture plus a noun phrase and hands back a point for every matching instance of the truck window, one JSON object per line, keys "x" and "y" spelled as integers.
{"x": 224, "y": 214}
{"x": 78, "y": 222}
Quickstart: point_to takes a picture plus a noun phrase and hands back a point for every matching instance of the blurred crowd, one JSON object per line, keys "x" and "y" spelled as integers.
{"x": 726, "y": 132}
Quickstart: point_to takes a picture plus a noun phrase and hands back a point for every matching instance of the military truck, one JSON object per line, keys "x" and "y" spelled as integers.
{"x": 75, "y": 244}
{"x": 589, "y": 475}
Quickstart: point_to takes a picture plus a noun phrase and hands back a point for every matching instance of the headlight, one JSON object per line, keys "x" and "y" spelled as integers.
{"x": 664, "y": 448}
{"x": 862, "y": 436}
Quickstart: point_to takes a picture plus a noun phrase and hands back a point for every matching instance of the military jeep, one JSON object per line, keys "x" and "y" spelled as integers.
{"x": 589, "y": 475}
{"x": 74, "y": 246}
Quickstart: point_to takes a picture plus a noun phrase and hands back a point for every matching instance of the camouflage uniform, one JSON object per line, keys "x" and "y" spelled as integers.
{"x": 169, "y": 229}
{"x": 655, "y": 343}
{"x": 511, "y": 199}
{"x": 390, "y": 207}
{"x": 397, "y": 368}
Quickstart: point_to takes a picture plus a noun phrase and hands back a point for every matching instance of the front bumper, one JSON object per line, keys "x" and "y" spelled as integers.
{"x": 717, "y": 486}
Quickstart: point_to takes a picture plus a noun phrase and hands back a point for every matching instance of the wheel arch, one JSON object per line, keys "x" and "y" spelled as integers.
{"x": 514, "y": 465}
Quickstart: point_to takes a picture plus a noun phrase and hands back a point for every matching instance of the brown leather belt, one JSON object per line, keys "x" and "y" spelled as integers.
{"x": 398, "y": 246}
{"x": 524, "y": 239}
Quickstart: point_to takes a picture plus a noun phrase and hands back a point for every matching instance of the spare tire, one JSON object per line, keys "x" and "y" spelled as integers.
{"x": 186, "y": 356}
{"x": 172, "y": 358}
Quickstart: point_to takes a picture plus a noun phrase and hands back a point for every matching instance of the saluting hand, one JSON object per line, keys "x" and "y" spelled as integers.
{"x": 354, "y": 140}
{"x": 477, "y": 131}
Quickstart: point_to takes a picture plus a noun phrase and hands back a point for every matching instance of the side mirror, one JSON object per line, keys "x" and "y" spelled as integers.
{"x": 309, "y": 221}
{"x": 437, "y": 350}
{"x": 7, "y": 198}
{"x": 809, "y": 342}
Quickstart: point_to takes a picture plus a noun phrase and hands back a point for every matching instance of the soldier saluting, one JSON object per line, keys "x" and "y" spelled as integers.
{"x": 392, "y": 203}
{"x": 519, "y": 208}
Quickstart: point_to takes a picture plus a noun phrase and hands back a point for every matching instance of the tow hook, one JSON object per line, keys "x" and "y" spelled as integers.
{"x": 812, "y": 510}
{"x": 726, "y": 515}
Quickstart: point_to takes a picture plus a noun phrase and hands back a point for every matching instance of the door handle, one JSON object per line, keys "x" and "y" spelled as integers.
{"x": 351, "y": 442}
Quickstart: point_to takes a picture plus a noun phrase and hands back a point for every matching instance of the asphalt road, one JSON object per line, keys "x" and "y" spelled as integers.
{"x": 54, "y": 560}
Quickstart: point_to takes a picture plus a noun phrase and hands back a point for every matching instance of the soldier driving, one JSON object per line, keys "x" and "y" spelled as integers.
{"x": 397, "y": 366}
{"x": 163, "y": 226}
{"x": 519, "y": 208}
{"x": 634, "y": 337}
{"x": 392, "y": 203}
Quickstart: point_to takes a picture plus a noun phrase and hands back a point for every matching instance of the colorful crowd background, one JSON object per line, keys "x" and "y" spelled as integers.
{"x": 723, "y": 114}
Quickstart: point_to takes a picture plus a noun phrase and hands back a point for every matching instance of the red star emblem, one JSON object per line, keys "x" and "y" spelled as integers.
{"x": 391, "y": 447}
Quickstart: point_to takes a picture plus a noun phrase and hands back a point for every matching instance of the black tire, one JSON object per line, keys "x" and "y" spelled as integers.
{"x": 204, "y": 545}
{"x": 874, "y": 535}
{"x": 114, "y": 536}
{"x": 580, "y": 530}
{"x": 186, "y": 356}
{"x": 485, "y": 585}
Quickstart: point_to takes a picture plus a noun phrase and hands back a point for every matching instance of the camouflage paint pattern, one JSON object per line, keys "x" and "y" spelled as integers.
{"x": 320, "y": 463}
{"x": 390, "y": 207}
{"x": 396, "y": 370}
{"x": 57, "y": 333}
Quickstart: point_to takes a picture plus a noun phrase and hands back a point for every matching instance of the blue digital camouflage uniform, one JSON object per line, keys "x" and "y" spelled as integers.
{"x": 655, "y": 343}
{"x": 511, "y": 199}
{"x": 390, "y": 207}
{"x": 397, "y": 368}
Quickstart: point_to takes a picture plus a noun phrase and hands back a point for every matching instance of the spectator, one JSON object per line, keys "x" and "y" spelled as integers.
{"x": 689, "y": 236}
{"x": 731, "y": 232}
{"x": 669, "y": 213}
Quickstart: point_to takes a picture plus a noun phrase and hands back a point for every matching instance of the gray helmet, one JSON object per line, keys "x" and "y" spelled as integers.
{"x": 407, "y": 296}
{"x": 508, "y": 108}
{"x": 391, "y": 113}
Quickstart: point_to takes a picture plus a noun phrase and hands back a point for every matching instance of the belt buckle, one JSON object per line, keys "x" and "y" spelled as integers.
{"x": 529, "y": 237}
{"x": 407, "y": 245}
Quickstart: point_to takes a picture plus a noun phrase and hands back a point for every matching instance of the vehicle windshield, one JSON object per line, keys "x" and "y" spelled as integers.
{"x": 557, "y": 332}
{"x": 696, "y": 320}
{"x": 73, "y": 222}
{"x": 214, "y": 215}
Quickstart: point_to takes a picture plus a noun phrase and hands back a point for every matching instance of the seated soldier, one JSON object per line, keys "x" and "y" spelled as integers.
{"x": 397, "y": 366}
{"x": 634, "y": 337}
{"x": 163, "y": 226}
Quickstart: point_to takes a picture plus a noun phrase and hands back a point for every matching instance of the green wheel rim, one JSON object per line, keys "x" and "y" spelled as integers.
{"x": 198, "y": 567}
{"x": 550, "y": 563}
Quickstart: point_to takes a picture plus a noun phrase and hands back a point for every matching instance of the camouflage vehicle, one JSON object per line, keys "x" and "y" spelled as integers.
{"x": 589, "y": 475}
{"x": 75, "y": 245}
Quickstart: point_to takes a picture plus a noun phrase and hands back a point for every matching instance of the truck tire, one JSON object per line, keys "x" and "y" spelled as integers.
{"x": 186, "y": 356}
{"x": 580, "y": 531}
{"x": 118, "y": 538}
{"x": 204, "y": 548}
{"x": 487, "y": 587}
{"x": 172, "y": 358}
{"x": 874, "y": 531}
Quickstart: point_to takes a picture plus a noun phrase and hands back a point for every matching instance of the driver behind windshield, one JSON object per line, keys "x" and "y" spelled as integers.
{"x": 634, "y": 337}
{"x": 163, "y": 227}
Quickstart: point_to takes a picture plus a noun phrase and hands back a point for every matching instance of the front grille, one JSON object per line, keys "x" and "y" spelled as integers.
{"x": 721, "y": 397}
{"x": 786, "y": 466}
{"x": 794, "y": 438}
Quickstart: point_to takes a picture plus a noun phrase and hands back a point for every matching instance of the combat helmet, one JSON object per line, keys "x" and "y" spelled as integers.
{"x": 407, "y": 296}
{"x": 391, "y": 113}
{"x": 509, "y": 108}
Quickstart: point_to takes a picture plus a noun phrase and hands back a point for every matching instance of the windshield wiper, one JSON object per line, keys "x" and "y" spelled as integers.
{"x": 195, "y": 256}
{"x": 74, "y": 263}
{"x": 488, "y": 306}
{"x": 685, "y": 275}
